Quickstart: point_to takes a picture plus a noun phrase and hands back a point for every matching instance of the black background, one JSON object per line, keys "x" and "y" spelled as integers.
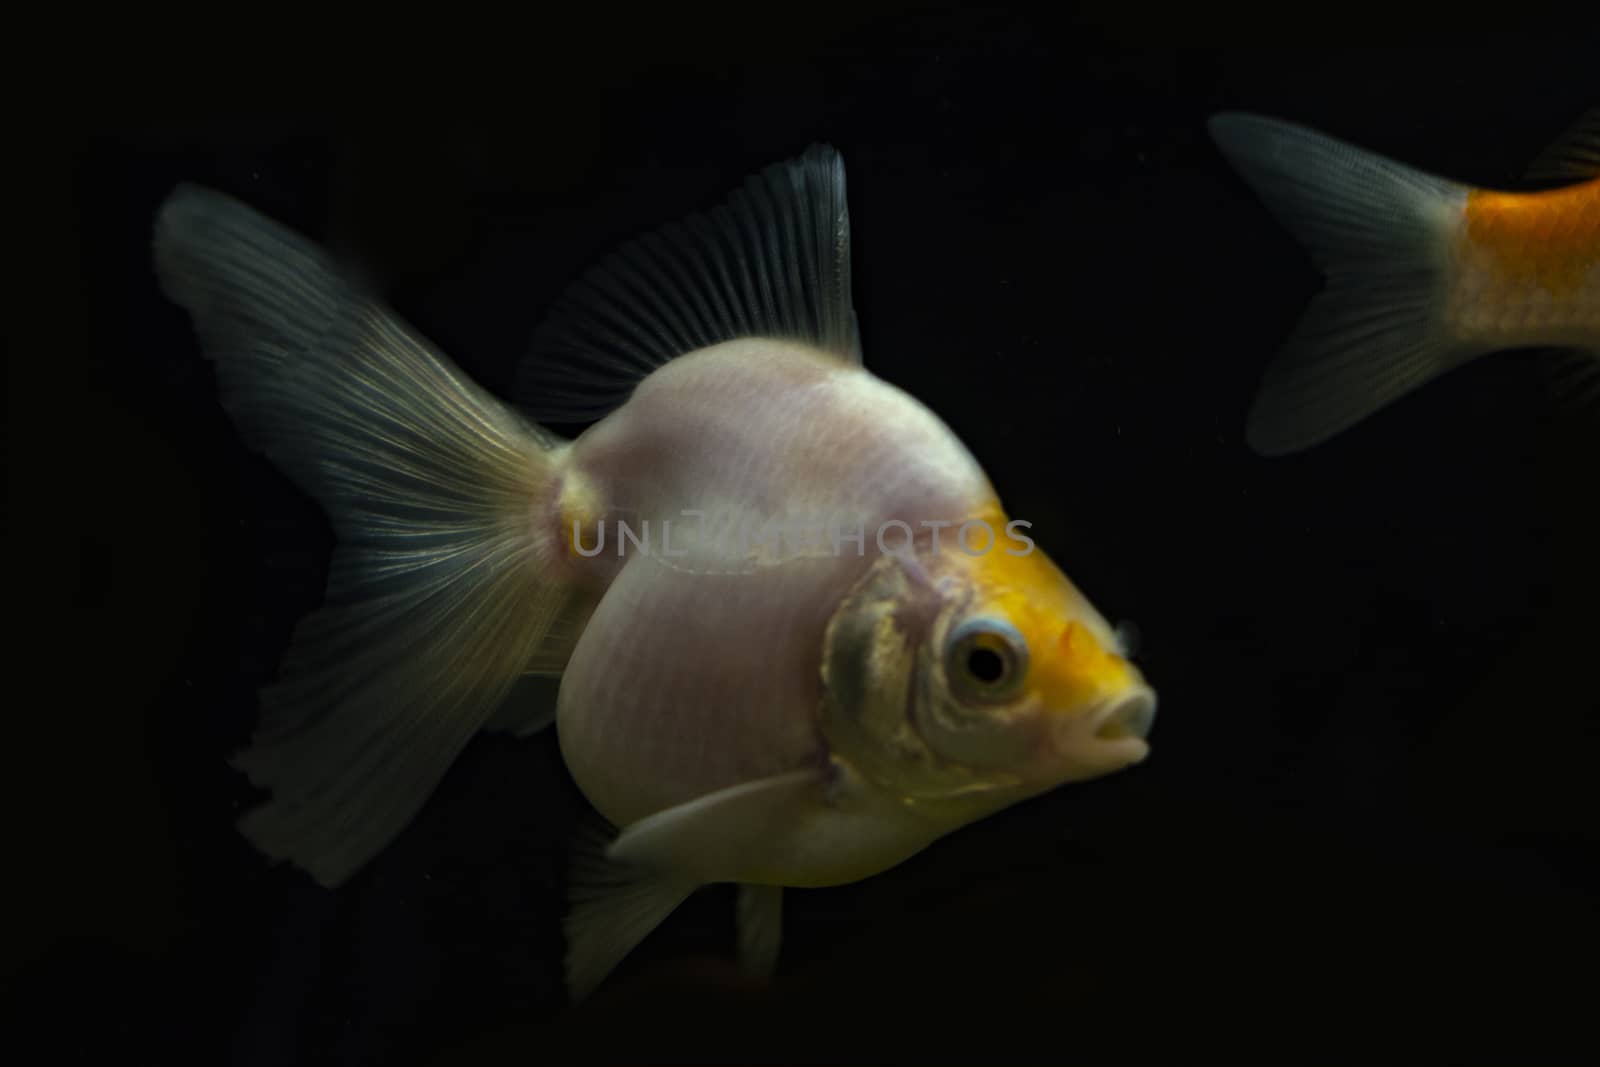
{"x": 1367, "y": 830}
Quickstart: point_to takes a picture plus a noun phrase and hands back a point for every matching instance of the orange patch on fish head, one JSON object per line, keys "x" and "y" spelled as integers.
{"x": 1089, "y": 705}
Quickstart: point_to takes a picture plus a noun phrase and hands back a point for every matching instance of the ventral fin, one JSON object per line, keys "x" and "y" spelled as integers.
{"x": 613, "y": 905}
{"x": 773, "y": 261}
{"x": 621, "y": 887}
{"x": 1572, "y": 157}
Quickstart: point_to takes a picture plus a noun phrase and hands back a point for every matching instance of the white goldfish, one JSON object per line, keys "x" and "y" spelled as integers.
{"x": 766, "y": 712}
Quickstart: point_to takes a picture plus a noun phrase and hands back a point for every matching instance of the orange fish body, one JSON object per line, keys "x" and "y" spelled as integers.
{"x": 1528, "y": 268}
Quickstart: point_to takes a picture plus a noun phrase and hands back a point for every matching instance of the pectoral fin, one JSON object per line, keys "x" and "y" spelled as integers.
{"x": 821, "y": 826}
{"x": 739, "y": 834}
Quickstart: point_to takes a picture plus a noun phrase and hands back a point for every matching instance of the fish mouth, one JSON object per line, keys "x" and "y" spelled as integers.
{"x": 1127, "y": 717}
{"x": 1121, "y": 727}
{"x": 1108, "y": 735}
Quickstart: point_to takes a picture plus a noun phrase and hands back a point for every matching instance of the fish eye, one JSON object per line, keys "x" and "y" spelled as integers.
{"x": 986, "y": 659}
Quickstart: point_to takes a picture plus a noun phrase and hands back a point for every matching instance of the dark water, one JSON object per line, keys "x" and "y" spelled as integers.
{"x": 1368, "y": 830}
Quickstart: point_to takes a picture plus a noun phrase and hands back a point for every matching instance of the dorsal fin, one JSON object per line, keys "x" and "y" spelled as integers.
{"x": 773, "y": 260}
{"x": 1572, "y": 157}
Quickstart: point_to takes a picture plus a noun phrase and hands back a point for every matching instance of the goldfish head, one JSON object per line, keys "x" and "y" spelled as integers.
{"x": 963, "y": 683}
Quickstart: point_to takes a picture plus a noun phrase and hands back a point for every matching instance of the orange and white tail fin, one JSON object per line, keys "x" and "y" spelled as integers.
{"x": 1383, "y": 234}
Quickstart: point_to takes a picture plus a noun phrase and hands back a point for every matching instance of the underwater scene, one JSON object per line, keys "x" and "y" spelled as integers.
{"x": 908, "y": 535}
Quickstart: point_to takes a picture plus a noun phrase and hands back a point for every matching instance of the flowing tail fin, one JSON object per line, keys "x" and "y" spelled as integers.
{"x": 1382, "y": 235}
{"x": 439, "y": 594}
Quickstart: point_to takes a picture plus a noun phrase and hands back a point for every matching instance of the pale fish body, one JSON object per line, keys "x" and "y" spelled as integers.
{"x": 774, "y": 710}
{"x": 1423, "y": 274}
{"x": 707, "y": 429}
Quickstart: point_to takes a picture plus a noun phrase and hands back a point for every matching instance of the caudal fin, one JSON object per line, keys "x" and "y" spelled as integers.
{"x": 1381, "y": 233}
{"x": 438, "y": 596}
